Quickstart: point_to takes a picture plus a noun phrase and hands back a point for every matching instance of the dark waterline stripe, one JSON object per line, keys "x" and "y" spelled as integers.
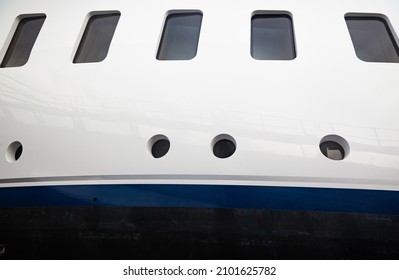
{"x": 205, "y": 196}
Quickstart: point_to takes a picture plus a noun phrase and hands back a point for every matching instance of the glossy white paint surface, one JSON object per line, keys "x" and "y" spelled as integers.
{"x": 96, "y": 119}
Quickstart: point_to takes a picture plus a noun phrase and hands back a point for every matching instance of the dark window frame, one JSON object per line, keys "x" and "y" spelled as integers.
{"x": 14, "y": 47}
{"x": 170, "y": 14}
{"x": 274, "y": 14}
{"x": 388, "y": 28}
{"x": 84, "y": 42}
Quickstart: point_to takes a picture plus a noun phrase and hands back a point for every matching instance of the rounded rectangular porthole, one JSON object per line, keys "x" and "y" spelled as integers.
{"x": 97, "y": 37}
{"x": 372, "y": 37}
{"x": 23, "y": 40}
{"x": 180, "y": 35}
{"x": 272, "y": 36}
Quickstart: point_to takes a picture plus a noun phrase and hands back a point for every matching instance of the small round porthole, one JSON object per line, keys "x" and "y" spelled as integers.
{"x": 158, "y": 145}
{"x": 334, "y": 147}
{"x": 14, "y": 151}
{"x": 223, "y": 146}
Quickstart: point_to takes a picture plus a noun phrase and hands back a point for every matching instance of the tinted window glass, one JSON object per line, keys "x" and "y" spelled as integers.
{"x": 372, "y": 38}
{"x": 97, "y": 38}
{"x": 22, "y": 42}
{"x": 272, "y": 37}
{"x": 180, "y": 36}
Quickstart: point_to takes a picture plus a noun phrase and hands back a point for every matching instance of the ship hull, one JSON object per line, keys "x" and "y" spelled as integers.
{"x": 197, "y": 222}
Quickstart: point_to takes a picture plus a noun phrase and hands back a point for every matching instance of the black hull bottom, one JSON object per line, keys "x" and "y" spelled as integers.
{"x": 194, "y": 233}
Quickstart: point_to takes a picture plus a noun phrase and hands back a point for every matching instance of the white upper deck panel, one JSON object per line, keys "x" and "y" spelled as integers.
{"x": 96, "y": 118}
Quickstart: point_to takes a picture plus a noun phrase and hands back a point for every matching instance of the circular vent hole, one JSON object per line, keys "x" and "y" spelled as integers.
{"x": 158, "y": 145}
{"x": 14, "y": 151}
{"x": 223, "y": 146}
{"x": 334, "y": 147}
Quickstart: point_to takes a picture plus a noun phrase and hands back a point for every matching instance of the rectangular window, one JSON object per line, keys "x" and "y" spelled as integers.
{"x": 180, "y": 36}
{"x": 372, "y": 38}
{"x": 97, "y": 37}
{"x": 272, "y": 36}
{"x": 22, "y": 42}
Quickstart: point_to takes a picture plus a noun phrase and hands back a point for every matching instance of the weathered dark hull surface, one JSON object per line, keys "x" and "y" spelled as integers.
{"x": 194, "y": 233}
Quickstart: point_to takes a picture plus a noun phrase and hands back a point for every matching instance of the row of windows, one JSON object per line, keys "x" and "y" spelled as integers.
{"x": 272, "y": 37}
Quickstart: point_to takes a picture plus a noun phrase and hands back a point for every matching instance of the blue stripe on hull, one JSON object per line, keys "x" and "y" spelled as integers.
{"x": 205, "y": 196}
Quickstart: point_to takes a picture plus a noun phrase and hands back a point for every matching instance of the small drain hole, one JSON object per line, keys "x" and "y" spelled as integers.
{"x": 14, "y": 151}
{"x": 159, "y": 145}
{"x": 223, "y": 146}
{"x": 334, "y": 147}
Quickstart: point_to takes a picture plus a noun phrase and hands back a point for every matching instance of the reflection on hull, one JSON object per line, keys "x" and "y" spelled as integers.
{"x": 195, "y": 233}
